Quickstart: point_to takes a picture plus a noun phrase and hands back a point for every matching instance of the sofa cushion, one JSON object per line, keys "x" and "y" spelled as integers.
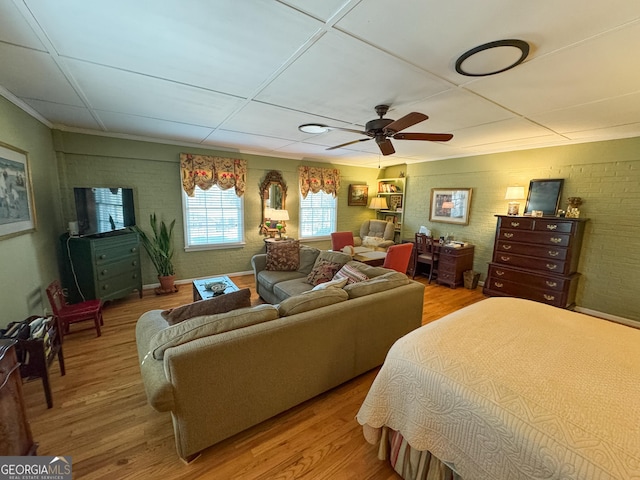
{"x": 204, "y": 326}
{"x": 335, "y": 283}
{"x": 220, "y": 304}
{"x": 289, "y": 288}
{"x": 368, "y": 270}
{"x": 351, "y": 274}
{"x": 378, "y": 284}
{"x": 311, "y": 301}
{"x": 308, "y": 256}
{"x": 283, "y": 256}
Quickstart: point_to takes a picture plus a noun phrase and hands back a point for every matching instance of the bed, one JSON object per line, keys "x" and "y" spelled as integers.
{"x": 509, "y": 389}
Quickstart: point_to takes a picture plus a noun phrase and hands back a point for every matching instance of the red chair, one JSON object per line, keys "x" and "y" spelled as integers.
{"x": 398, "y": 257}
{"x": 427, "y": 253}
{"x": 339, "y": 240}
{"x": 78, "y": 312}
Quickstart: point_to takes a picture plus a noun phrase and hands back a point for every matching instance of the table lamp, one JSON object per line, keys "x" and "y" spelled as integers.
{"x": 378, "y": 203}
{"x": 279, "y": 216}
{"x": 514, "y": 193}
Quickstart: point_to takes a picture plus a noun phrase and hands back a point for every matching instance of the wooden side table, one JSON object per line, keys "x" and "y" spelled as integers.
{"x": 37, "y": 355}
{"x": 452, "y": 263}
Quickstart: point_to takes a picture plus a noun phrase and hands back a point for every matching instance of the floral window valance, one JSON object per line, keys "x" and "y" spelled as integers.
{"x": 314, "y": 179}
{"x": 204, "y": 171}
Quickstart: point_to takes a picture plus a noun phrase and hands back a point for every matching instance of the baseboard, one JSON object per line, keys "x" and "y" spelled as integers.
{"x": 606, "y": 316}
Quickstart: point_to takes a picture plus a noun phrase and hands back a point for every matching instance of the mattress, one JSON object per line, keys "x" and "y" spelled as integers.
{"x": 513, "y": 389}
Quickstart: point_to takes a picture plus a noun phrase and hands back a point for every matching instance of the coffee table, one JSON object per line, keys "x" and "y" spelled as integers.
{"x": 375, "y": 259}
{"x": 201, "y": 293}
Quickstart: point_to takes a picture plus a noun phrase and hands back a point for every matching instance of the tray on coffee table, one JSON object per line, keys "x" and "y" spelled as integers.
{"x": 201, "y": 292}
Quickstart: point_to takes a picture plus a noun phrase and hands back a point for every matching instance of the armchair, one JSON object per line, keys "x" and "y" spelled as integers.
{"x": 376, "y": 234}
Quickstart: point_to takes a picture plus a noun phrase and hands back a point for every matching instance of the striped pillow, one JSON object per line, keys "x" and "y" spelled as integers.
{"x": 352, "y": 274}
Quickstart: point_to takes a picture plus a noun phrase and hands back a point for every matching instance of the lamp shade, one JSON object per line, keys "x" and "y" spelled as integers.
{"x": 279, "y": 214}
{"x": 378, "y": 203}
{"x": 514, "y": 193}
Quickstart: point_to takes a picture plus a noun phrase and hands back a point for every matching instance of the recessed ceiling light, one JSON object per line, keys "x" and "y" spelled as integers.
{"x": 492, "y": 58}
{"x": 313, "y": 128}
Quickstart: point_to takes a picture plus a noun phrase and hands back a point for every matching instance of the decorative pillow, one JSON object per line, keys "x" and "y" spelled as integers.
{"x": 220, "y": 304}
{"x": 352, "y": 274}
{"x": 308, "y": 257}
{"x": 335, "y": 283}
{"x": 205, "y": 326}
{"x": 372, "y": 241}
{"x": 283, "y": 256}
{"x": 322, "y": 271}
{"x": 384, "y": 282}
{"x": 311, "y": 301}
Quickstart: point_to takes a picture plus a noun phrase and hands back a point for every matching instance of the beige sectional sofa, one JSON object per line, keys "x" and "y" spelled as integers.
{"x": 219, "y": 382}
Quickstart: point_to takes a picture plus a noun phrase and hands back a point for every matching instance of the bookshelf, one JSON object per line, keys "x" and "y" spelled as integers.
{"x": 394, "y": 190}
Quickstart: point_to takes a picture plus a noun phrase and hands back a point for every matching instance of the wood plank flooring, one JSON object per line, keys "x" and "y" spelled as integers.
{"x": 101, "y": 418}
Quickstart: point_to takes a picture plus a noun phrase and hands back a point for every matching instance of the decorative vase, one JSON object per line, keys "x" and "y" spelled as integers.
{"x": 167, "y": 285}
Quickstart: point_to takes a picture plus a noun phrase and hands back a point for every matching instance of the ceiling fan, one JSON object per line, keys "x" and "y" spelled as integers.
{"x": 382, "y": 129}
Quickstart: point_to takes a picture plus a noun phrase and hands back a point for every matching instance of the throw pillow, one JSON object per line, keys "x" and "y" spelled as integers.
{"x": 283, "y": 256}
{"x": 311, "y": 301}
{"x": 335, "y": 283}
{"x": 220, "y": 304}
{"x": 209, "y": 325}
{"x": 382, "y": 283}
{"x": 372, "y": 241}
{"x": 351, "y": 274}
{"x": 322, "y": 271}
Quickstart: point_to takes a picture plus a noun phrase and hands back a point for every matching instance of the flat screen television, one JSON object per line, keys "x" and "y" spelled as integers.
{"x": 100, "y": 211}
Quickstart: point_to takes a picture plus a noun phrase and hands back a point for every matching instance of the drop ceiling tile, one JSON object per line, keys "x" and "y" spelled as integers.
{"x": 114, "y": 90}
{"x": 517, "y": 129}
{"x": 323, "y": 10}
{"x": 608, "y": 133}
{"x": 15, "y": 29}
{"x": 243, "y": 141}
{"x": 223, "y": 45}
{"x": 67, "y": 115}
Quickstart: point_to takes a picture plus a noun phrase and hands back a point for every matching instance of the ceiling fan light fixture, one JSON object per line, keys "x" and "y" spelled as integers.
{"x": 313, "y": 128}
{"x": 493, "y": 57}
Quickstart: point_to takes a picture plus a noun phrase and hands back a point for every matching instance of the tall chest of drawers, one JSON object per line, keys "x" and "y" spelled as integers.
{"x": 536, "y": 258}
{"x": 103, "y": 268}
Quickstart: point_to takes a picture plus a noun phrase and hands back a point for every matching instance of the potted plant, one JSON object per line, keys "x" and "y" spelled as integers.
{"x": 159, "y": 247}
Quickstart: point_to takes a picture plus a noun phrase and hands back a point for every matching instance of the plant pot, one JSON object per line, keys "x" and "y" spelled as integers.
{"x": 167, "y": 285}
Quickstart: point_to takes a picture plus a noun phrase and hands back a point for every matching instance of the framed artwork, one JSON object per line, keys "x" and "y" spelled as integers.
{"x": 450, "y": 205}
{"x": 395, "y": 202}
{"x": 390, "y": 218}
{"x": 358, "y": 195}
{"x": 17, "y": 211}
{"x": 544, "y": 196}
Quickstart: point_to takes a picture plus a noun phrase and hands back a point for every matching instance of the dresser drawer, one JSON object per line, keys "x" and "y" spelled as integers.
{"x": 113, "y": 269}
{"x": 516, "y": 223}
{"x": 554, "y": 226}
{"x": 539, "y": 238}
{"x": 544, "y": 282}
{"x": 506, "y": 288}
{"x": 556, "y": 253}
{"x": 116, "y": 250}
{"x": 116, "y": 285}
{"x": 557, "y": 267}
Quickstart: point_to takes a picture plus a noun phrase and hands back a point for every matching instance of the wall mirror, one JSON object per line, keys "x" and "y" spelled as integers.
{"x": 273, "y": 195}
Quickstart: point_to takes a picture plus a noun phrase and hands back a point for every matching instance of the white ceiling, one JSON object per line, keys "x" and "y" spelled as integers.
{"x": 242, "y": 75}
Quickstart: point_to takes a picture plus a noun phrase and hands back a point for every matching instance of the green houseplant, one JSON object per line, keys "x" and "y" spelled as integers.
{"x": 159, "y": 247}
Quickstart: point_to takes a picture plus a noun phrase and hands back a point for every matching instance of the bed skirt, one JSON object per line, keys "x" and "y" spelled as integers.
{"x": 409, "y": 463}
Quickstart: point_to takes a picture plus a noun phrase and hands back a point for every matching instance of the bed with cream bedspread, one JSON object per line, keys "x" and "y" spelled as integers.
{"x": 513, "y": 389}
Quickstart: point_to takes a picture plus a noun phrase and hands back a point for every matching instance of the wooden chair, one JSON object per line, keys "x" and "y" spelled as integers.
{"x": 427, "y": 254}
{"x": 73, "y": 313}
{"x": 398, "y": 257}
{"x": 339, "y": 240}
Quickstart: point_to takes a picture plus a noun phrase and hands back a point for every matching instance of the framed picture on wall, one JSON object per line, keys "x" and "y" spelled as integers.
{"x": 358, "y": 195}
{"x": 17, "y": 210}
{"x": 544, "y": 196}
{"x": 450, "y": 205}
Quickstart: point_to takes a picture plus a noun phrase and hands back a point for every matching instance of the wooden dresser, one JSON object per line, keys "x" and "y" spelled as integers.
{"x": 15, "y": 433}
{"x": 536, "y": 258}
{"x": 105, "y": 268}
{"x": 452, "y": 263}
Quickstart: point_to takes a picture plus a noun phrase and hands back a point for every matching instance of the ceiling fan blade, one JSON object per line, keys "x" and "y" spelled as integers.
{"x": 361, "y": 132}
{"x": 431, "y": 137}
{"x": 348, "y": 143}
{"x": 386, "y": 147}
{"x": 406, "y": 121}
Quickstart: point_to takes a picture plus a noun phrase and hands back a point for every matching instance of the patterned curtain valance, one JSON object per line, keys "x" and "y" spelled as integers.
{"x": 314, "y": 179}
{"x": 204, "y": 171}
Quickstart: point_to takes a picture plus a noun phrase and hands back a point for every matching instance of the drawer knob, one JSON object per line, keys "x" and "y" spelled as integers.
{"x": 556, "y": 240}
{"x": 515, "y": 224}
{"x": 105, "y": 287}
{"x": 549, "y": 297}
{"x": 508, "y": 234}
{"x": 551, "y": 284}
{"x": 134, "y": 250}
{"x": 104, "y": 272}
{"x": 552, "y": 226}
{"x": 505, "y": 258}
{"x": 553, "y": 253}
{"x": 552, "y": 266}
{"x": 498, "y": 284}
{"x": 506, "y": 247}
{"x": 102, "y": 257}
{"x": 134, "y": 263}
{"x": 499, "y": 272}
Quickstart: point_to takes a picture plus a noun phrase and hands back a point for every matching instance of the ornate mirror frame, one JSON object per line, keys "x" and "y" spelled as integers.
{"x": 272, "y": 186}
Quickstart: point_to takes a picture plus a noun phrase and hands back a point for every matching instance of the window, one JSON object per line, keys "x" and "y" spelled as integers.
{"x": 213, "y": 218}
{"x": 317, "y": 215}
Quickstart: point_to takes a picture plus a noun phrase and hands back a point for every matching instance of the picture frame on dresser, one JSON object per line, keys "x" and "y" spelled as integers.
{"x": 544, "y": 196}
{"x": 17, "y": 209}
{"x": 450, "y": 205}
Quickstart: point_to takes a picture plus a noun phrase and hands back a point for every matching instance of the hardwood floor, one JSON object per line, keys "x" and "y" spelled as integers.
{"x": 101, "y": 418}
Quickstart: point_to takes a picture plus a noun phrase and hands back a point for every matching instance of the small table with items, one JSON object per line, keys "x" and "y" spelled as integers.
{"x": 453, "y": 260}
{"x": 202, "y": 289}
{"x": 373, "y": 258}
